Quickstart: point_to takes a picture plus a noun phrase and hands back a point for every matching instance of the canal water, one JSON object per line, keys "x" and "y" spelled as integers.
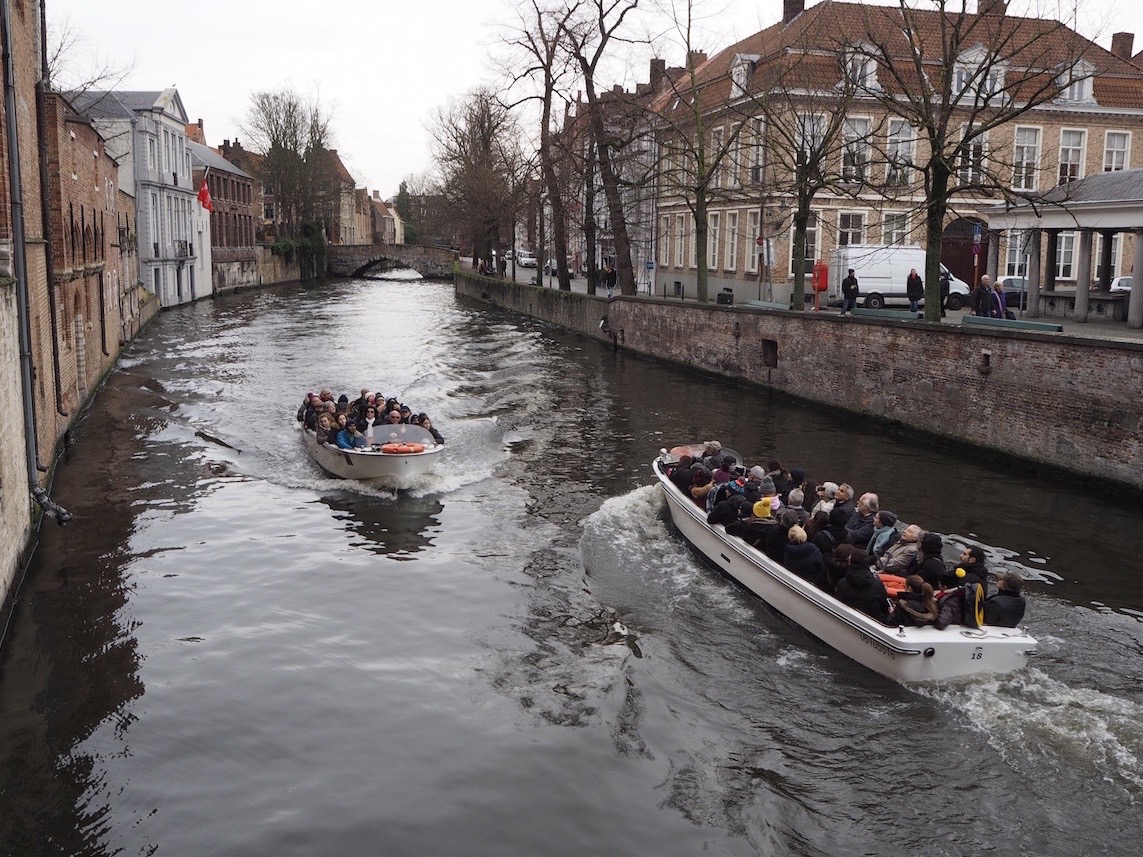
{"x": 228, "y": 652}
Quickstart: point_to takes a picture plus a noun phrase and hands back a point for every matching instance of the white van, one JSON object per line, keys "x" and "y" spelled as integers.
{"x": 882, "y": 270}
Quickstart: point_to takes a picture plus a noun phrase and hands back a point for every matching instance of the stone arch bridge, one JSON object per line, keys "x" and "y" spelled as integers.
{"x": 356, "y": 260}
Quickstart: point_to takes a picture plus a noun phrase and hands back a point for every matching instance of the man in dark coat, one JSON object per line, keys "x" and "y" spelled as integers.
{"x": 863, "y": 590}
{"x": 849, "y": 293}
{"x": 1005, "y": 609}
{"x": 982, "y": 303}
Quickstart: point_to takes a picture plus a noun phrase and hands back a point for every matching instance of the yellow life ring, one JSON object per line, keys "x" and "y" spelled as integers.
{"x": 973, "y": 605}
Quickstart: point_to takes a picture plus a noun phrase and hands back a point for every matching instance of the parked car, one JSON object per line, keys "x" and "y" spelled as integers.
{"x": 1121, "y": 284}
{"x": 525, "y": 259}
{"x": 550, "y": 267}
{"x": 881, "y": 273}
{"x": 1015, "y": 292}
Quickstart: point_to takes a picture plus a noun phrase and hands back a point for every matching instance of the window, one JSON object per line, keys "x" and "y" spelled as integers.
{"x": 758, "y": 155}
{"x": 1115, "y": 151}
{"x": 899, "y": 150}
{"x": 713, "y": 225}
{"x": 1016, "y": 261}
{"x": 731, "y": 260}
{"x": 811, "y": 252}
{"x": 735, "y": 154}
{"x": 1071, "y": 155}
{"x": 1065, "y": 256}
{"x": 1076, "y": 83}
{"x": 855, "y": 152}
{"x": 741, "y": 71}
{"x": 894, "y": 228}
{"x": 860, "y": 69}
{"x": 751, "y": 233}
{"x": 714, "y": 158}
{"x": 970, "y": 161}
{"x": 152, "y": 153}
{"x": 679, "y": 239}
{"x": 1116, "y": 255}
{"x": 693, "y": 249}
{"x": 810, "y": 137}
{"x": 664, "y": 241}
{"x": 1026, "y": 158}
{"x": 978, "y": 77}
{"x": 851, "y": 229}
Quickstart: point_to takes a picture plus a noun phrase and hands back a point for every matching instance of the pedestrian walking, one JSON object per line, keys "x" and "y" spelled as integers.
{"x": 849, "y": 293}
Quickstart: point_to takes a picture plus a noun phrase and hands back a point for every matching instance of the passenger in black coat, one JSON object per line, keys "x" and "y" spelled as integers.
{"x": 774, "y": 545}
{"x": 929, "y": 565}
{"x": 863, "y": 590}
{"x": 1005, "y": 609}
{"x": 803, "y": 558}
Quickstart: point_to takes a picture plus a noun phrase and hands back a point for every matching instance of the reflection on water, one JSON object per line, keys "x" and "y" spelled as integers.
{"x": 518, "y": 655}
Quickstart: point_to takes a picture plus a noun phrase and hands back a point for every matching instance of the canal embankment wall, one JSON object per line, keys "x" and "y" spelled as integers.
{"x": 1063, "y": 403}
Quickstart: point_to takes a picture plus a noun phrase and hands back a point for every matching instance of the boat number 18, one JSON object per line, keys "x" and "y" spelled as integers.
{"x": 977, "y": 654}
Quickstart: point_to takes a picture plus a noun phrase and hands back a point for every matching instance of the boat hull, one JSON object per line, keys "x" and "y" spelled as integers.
{"x": 907, "y": 655}
{"x": 368, "y": 463}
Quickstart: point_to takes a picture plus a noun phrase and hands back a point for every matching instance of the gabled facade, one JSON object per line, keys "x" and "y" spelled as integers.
{"x": 146, "y": 132}
{"x": 875, "y": 191}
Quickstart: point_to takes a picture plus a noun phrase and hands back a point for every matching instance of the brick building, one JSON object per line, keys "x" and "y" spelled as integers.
{"x": 234, "y": 224}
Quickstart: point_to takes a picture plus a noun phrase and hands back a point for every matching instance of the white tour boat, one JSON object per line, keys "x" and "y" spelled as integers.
{"x": 905, "y": 654}
{"x": 398, "y": 452}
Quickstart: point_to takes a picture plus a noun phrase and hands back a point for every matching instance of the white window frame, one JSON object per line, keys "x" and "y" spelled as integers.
{"x": 1065, "y": 256}
{"x": 845, "y": 233}
{"x": 1116, "y": 255}
{"x": 757, "y": 150}
{"x": 970, "y": 167}
{"x": 693, "y": 244}
{"x": 152, "y": 153}
{"x": 899, "y": 151}
{"x": 680, "y": 237}
{"x": 717, "y": 137}
{"x": 754, "y": 226}
{"x": 1016, "y": 254}
{"x": 1072, "y": 166}
{"x": 813, "y": 235}
{"x": 894, "y": 235}
{"x": 815, "y": 126}
{"x": 1076, "y": 84}
{"x": 734, "y": 179}
{"x": 1111, "y": 163}
{"x": 855, "y": 148}
{"x": 713, "y": 234}
{"x": 665, "y": 240}
{"x": 731, "y": 260}
{"x": 1026, "y": 158}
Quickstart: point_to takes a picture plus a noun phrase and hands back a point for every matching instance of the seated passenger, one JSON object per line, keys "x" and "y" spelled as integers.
{"x": 803, "y": 558}
{"x": 928, "y": 563}
{"x": 725, "y": 470}
{"x": 915, "y": 605}
{"x": 366, "y": 422}
{"x": 796, "y": 478}
{"x": 726, "y": 512}
{"x": 427, "y": 425}
{"x": 342, "y": 403}
{"x": 975, "y": 568}
{"x": 349, "y": 437}
{"x": 775, "y": 541}
{"x": 884, "y": 536}
{"x": 680, "y": 474}
{"x": 794, "y": 504}
{"x": 753, "y": 530}
{"x": 844, "y": 499}
{"x": 833, "y": 534}
{"x": 325, "y": 430}
{"x": 899, "y": 556}
{"x": 1005, "y": 609}
{"x": 826, "y": 493}
{"x": 859, "y": 528}
{"x": 393, "y": 417}
{"x": 406, "y": 413}
{"x": 779, "y": 476}
{"x": 861, "y": 589}
{"x": 711, "y": 454}
{"x": 701, "y": 485}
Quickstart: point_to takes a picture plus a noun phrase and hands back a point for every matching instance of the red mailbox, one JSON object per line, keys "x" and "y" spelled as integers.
{"x": 821, "y": 276}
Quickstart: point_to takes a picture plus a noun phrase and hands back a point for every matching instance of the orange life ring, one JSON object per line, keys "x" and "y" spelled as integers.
{"x": 416, "y": 447}
{"x": 391, "y": 448}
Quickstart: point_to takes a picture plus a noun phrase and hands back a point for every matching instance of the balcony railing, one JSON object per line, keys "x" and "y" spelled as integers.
{"x": 182, "y": 249}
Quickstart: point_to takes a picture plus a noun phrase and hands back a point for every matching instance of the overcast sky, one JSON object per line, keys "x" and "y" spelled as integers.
{"x": 382, "y": 67}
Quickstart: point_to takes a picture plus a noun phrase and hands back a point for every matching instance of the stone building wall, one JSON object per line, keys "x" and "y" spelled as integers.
{"x": 275, "y": 269}
{"x": 1068, "y": 403}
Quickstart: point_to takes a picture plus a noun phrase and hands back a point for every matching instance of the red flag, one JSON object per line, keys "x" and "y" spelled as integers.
{"x": 204, "y": 196}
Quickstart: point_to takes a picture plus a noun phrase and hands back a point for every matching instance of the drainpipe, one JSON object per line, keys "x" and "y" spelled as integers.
{"x": 45, "y": 214}
{"x": 20, "y": 270}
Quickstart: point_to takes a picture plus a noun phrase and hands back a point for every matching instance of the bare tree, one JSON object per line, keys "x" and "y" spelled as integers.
{"x": 954, "y": 76}
{"x": 292, "y": 134}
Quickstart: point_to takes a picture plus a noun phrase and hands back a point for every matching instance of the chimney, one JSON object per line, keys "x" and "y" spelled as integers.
{"x": 226, "y": 144}
{"x": 991, "y": 7}
{"x": 376, "y": 194}
{"x": 1122, "y": 44}
{"x": 658, "y": 72}
{"x": 792, "y": 9}
{"x": 695, "y": 59}
{"x": 617, "y": 89}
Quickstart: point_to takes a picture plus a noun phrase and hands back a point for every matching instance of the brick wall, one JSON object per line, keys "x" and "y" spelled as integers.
{"x": 1072, "y": 404}
{"x": 275, "y": 269}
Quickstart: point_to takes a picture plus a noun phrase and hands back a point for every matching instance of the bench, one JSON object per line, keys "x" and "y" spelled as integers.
{"x": 765, "y": 304}
{"x": 897, "y": 314}
{"x": 1011, "y": 324}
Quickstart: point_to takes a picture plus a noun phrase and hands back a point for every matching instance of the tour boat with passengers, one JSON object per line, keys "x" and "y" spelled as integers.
{"x": 905, "y": 654}
{"x": 398, "y": 453}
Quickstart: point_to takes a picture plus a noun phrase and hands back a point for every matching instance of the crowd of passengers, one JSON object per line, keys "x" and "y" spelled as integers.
{"x": 357, "y": 424}
{"x": 843, "y": 543}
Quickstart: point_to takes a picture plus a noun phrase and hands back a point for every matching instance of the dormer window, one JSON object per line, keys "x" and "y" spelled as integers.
{"x": 978, "y": 76}
{"x": 860, "y": 67}
{"x": 1076, "y": 83}
{"x": 741, "y": 70}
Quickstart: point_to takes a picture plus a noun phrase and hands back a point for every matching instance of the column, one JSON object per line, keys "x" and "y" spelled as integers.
{"x": 1083, "y": 273}
{"x": 1050, "y": 262}
{"x": 1034, "y": 238}
{"x": 992, "y": 266}
{"x": 1105, "y": 262}
{"x": 1135, "y": 302}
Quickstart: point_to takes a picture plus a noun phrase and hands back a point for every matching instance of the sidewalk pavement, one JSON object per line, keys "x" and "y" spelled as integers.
{"x": 1111, "y": 330}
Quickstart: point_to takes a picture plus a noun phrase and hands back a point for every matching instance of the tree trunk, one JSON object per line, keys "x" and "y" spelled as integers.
{"x": 801, "y": 221}
{"x": 935, "y": 210}
{"x": 702, "y": 228}
{"x": 589, "y": 216}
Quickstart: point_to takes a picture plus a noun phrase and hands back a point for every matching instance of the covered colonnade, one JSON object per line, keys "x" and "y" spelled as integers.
{"x": 1109, "y": 204}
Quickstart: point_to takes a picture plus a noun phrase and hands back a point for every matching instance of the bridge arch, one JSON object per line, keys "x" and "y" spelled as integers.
{"x": 355, "y": 260}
